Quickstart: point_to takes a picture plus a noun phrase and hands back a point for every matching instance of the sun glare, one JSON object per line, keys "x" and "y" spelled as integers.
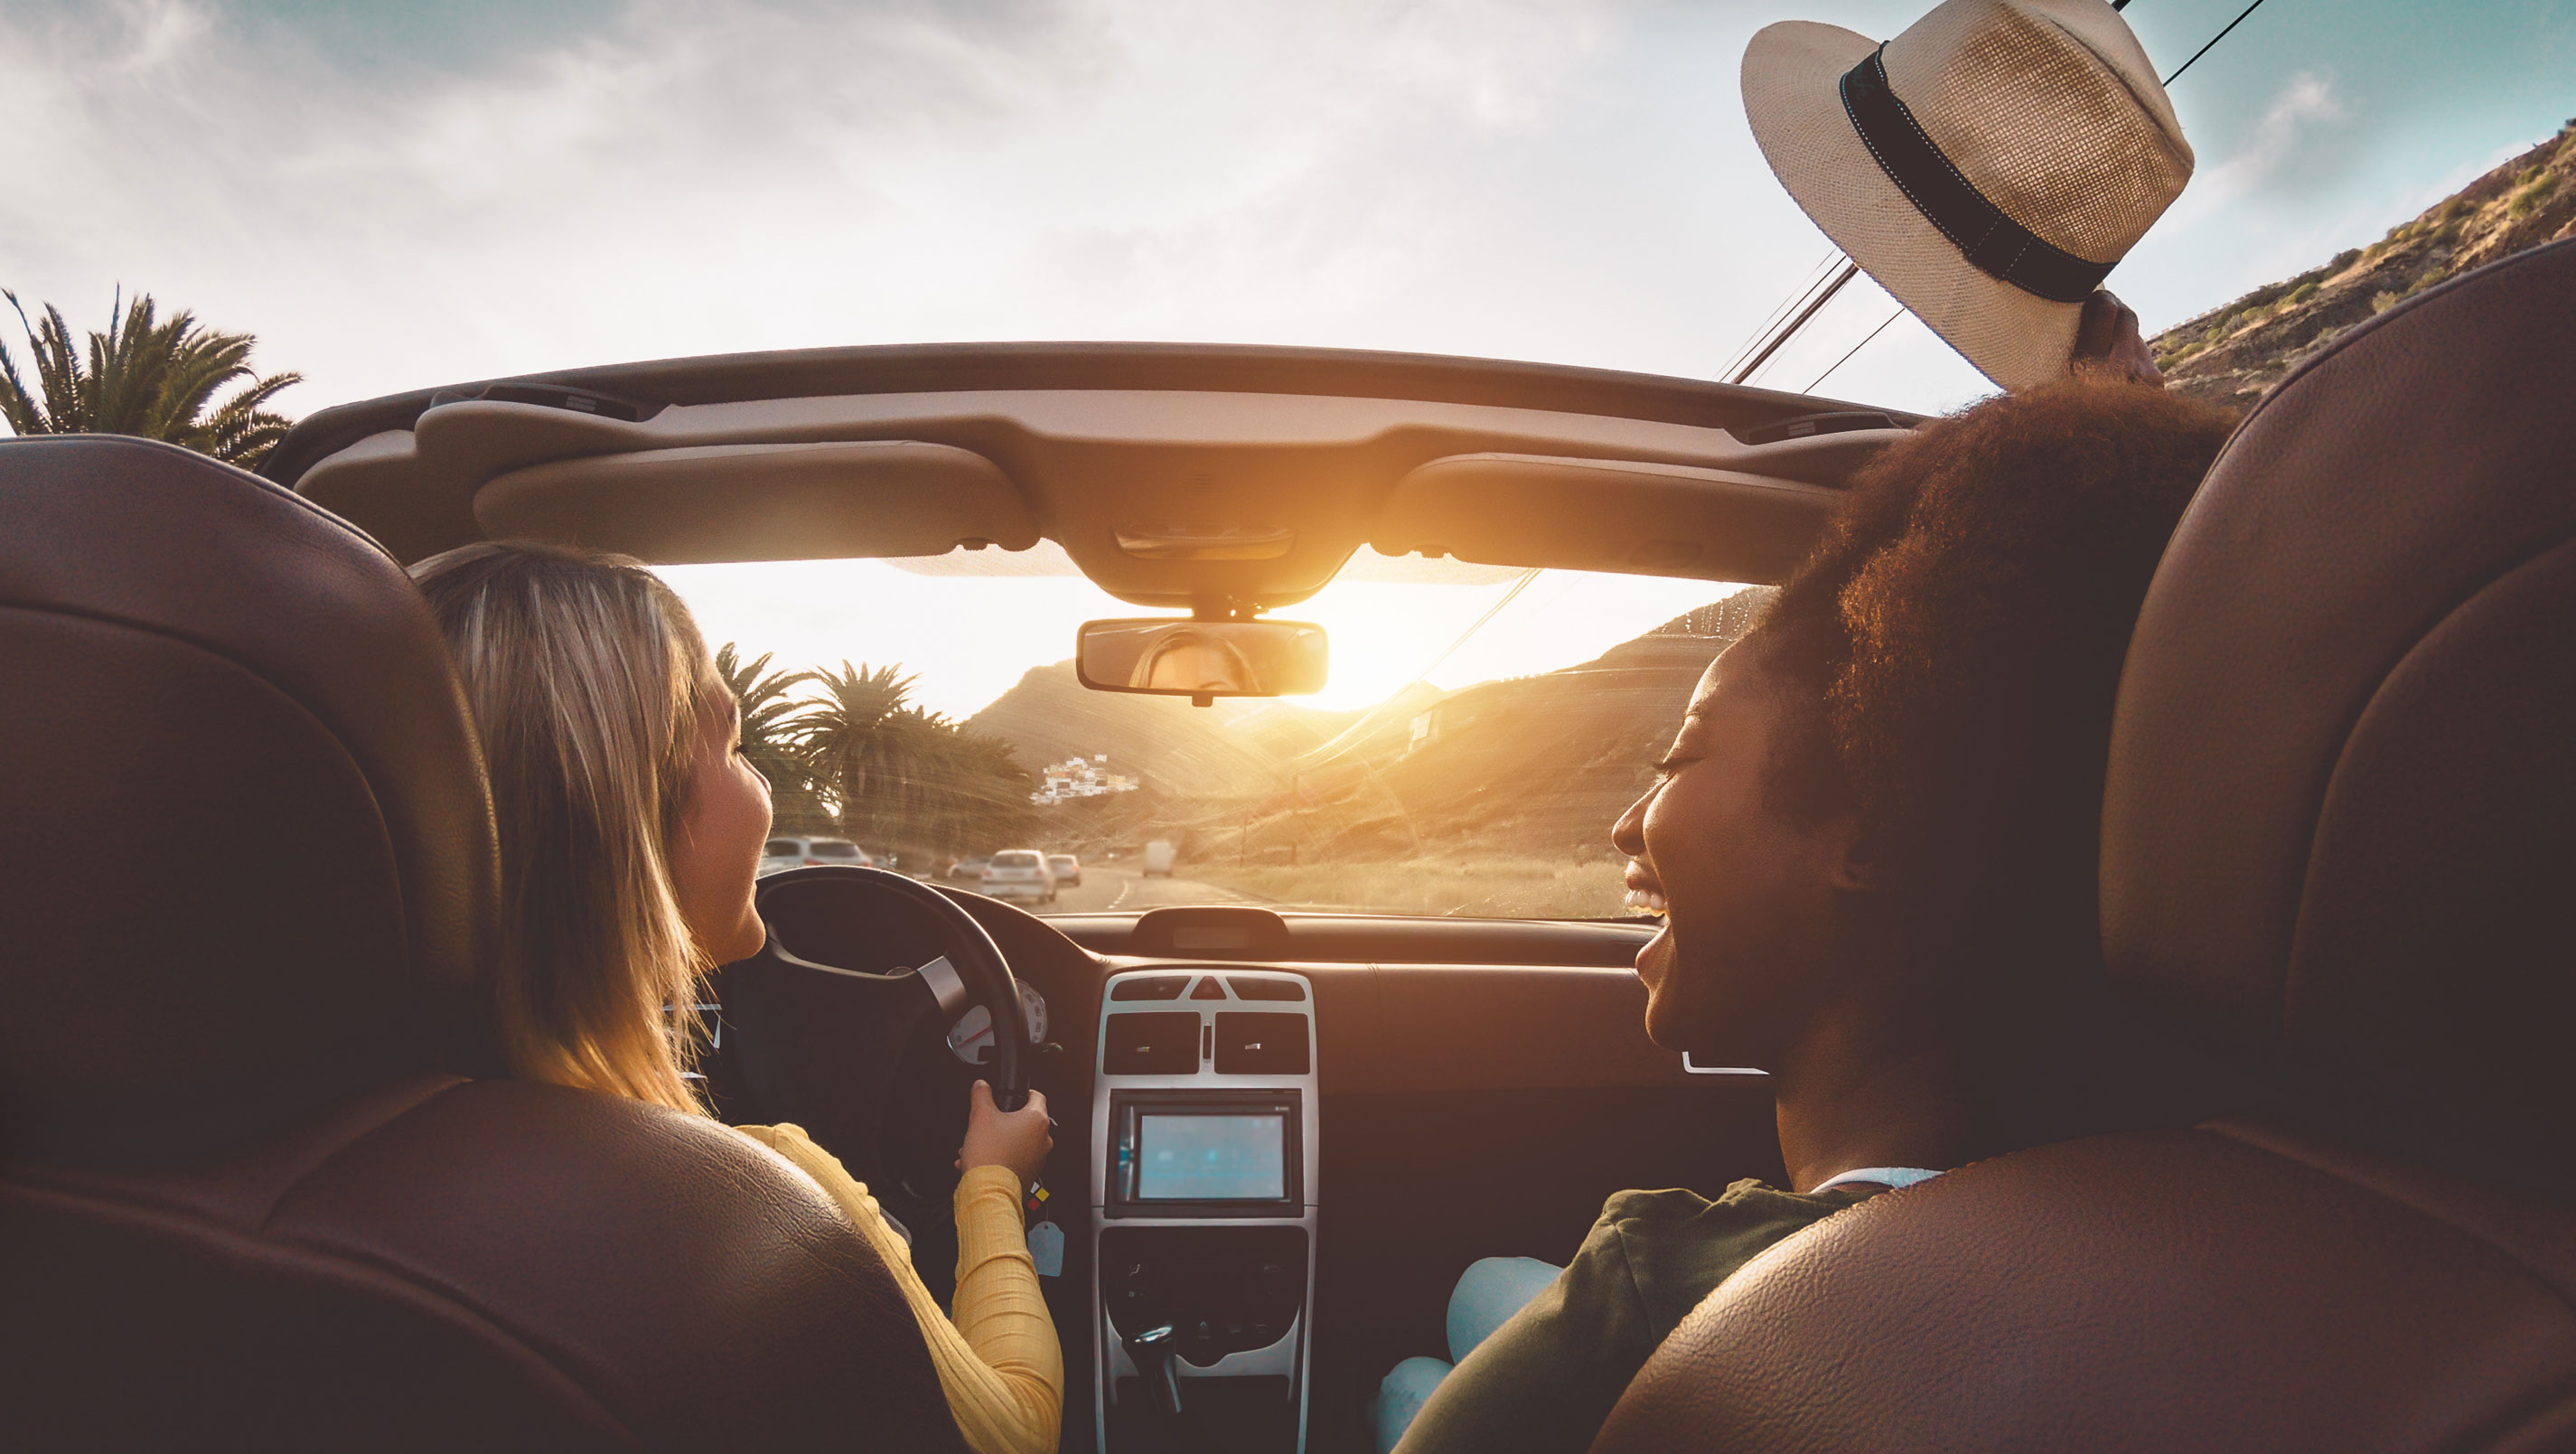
{"x": 968, "y": 639}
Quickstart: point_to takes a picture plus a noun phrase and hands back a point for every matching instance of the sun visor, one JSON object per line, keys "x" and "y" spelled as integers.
{"x": 736, "y": 502}
{"x": 1632, "y": 516}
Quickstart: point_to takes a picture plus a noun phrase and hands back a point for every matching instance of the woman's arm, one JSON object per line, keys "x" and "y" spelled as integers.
{"x": 999, "y": 1363}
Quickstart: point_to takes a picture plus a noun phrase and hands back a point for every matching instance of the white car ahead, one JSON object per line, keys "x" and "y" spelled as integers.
{"x": 1019, "y": 873}
{"x": 787, "y": 852}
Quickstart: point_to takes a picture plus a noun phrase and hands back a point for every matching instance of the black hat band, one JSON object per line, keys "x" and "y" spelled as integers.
{"x": 1999, "y": 247}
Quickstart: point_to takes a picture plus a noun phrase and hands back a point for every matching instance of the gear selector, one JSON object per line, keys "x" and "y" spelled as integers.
{"x": 1151, "y": 1351}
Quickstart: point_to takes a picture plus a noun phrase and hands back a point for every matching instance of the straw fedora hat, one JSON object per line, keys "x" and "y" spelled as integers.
{"x": 1988, "y": 166}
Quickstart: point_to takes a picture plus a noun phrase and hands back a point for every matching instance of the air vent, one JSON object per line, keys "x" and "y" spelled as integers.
{"x": 1150, "y": 1044}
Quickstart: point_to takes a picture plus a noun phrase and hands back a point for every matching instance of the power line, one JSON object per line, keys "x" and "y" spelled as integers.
{"x": 1790, "y": 330}
{"x": 2213, "y": 40}
{"x": 1815, "y": 278}
{"x": 1818, "y": 381}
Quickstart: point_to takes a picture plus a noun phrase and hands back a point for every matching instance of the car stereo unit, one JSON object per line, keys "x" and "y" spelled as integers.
{"x": 1205, "y": 1154}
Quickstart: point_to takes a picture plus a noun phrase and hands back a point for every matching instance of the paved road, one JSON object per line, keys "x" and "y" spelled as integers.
{"x": 1113, "y": 890}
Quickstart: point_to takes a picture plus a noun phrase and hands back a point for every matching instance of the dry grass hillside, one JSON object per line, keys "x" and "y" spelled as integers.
{"x": 1235, "y": 749}
{"x": 2231, "y": 354}
{"x": 1497, "y": 798}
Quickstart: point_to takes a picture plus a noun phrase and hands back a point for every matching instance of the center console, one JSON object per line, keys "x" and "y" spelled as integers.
{"x": 1203, "y": 1205}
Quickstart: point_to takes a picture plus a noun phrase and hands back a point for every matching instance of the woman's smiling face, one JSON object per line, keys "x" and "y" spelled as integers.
{"x": 1750, "y": 895}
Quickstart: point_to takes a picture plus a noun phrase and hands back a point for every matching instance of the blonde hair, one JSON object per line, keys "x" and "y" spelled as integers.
{"x": 587, "y": 680}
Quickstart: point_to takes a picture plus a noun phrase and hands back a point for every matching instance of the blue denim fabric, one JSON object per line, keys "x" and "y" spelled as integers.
{"x": 1487, "y": 1295}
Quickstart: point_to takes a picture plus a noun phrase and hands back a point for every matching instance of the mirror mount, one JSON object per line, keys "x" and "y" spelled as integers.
{"x": 1223, "y": 608}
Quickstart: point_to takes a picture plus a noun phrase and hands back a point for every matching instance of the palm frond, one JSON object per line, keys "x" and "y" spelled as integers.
{"x": 24, "y": 414}
{"x": 148, "y": 376}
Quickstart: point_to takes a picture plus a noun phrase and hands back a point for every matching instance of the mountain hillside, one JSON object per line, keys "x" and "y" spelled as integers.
{"x": 1538, "y": 765}
{"x": 1534, "y": 766}
{"x": 2231, "y": 354}
{"x": 1234, "y": 749}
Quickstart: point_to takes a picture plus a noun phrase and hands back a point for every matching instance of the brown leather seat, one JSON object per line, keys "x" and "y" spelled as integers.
{"x": 247, "y": 1199}
{"x": 2340, "y": 847}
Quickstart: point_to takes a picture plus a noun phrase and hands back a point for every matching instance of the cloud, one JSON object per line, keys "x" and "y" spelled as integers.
{"x": 2284, "y": 154}
{"x": 679, "y": 176}
{"x": 217, "y": 156}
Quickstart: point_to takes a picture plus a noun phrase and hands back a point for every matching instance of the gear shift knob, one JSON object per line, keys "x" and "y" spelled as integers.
{"x": 1151, "y": 1351}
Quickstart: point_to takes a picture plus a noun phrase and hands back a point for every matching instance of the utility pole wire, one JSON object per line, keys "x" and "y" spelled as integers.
{"x": 1818, "y": 381}
{"x": 2213, "y": 40}
{"x": 1815, "y": 278}
{"x": 1790, "y": 330}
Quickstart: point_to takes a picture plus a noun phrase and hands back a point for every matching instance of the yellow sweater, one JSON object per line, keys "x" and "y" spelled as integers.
{"x": 998, "y": 1363}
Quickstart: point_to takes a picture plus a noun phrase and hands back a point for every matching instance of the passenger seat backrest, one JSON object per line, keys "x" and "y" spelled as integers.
{"x": 2338, "y": 839}
{"x": 248, "y": 1197}
{"x": 2339, "y": 833}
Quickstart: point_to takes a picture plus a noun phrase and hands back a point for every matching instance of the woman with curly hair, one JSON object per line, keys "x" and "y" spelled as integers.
{"x": 1873, "y": 844}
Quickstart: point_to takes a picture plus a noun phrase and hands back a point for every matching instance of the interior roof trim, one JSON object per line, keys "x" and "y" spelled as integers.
{"x": 955, "y": 367}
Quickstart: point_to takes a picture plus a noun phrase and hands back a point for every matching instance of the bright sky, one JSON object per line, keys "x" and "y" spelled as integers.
{"x": 393, "y": 196}
{"x": 970, "y": 638}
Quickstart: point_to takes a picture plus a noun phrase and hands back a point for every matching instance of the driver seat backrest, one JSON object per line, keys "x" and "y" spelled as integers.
{"x": 249, "y": 1196}
{"x": 2339, "y": 840}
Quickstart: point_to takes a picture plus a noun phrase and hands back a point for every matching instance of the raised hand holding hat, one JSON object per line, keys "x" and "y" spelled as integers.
{"x": 1988, "y": 166}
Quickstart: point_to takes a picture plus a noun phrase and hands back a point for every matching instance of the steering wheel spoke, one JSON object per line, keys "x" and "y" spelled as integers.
{"x": 825, "y": 1027}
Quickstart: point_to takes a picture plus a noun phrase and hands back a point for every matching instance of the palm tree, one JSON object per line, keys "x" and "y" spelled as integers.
{"x": 983, "y": 790}
{"x": 860, "y": 754}
{"x": 144, "y": 377}
{"x": 773, "y": 738}
{"x": 906, "y": 775}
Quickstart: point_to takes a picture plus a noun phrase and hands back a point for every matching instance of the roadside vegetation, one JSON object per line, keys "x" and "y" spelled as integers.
{"x": 146, "y": 376}
{"x": 1501, "y": 886}
{"x": 848, "y": 752}
{"x": 2231, "y": 354}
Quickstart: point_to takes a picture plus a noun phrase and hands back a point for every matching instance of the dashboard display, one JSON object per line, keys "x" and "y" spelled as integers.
{"x": 1212, "y": 1153}
{"x": 1199, "y": 1157}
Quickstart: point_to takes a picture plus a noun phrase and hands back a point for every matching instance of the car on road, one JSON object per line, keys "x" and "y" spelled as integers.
{"x": 790, "y": 851}
{"x": 1018, "y": 873}
{"x": 1159, "y": 856}
{"x": 1067, "y": 870}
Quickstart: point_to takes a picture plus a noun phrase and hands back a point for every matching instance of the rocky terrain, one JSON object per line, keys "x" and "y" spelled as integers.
{"x": 2231, "y": 354}
{"x": 1531, "y": 767}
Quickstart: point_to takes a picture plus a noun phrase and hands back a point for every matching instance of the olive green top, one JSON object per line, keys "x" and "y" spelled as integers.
{"x": 1545, "y": 1381}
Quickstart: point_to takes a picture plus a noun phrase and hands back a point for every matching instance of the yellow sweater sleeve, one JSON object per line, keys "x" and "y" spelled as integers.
{"x": 999, "y": 1363}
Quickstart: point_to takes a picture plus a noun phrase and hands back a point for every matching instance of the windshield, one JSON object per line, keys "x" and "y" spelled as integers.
{"x": 1480, "y": 730}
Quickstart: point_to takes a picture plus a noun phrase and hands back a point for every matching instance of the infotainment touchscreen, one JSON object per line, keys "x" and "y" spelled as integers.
{"x": 1200, "y": 1157}
{"x": 1205, "y": 1153}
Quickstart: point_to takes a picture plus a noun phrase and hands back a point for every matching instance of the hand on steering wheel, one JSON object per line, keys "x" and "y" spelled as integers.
{"x": 1017, "y": 1139}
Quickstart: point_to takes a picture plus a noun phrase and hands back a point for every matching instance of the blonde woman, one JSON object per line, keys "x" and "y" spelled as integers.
{"x": 630, "y": 827}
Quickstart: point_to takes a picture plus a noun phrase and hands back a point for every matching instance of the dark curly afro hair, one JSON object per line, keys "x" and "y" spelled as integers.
{"x": 1956, "y": 641}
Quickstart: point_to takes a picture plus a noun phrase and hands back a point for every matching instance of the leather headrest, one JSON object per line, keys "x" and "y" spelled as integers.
{"x": 247, "y": 862}
{"x": 2340, "y": 823}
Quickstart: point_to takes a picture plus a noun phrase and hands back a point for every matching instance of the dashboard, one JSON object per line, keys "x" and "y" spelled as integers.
{"x": 1276, "y": 1132}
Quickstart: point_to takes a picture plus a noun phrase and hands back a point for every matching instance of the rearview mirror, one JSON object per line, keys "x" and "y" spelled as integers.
{"x": 1201, "y": 660}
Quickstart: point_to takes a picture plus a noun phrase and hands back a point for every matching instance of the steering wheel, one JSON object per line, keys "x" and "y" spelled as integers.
{"x": 823, "y": 1026}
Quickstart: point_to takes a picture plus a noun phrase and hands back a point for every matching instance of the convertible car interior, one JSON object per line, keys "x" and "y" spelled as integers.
{"x": 262, "y": 1184}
